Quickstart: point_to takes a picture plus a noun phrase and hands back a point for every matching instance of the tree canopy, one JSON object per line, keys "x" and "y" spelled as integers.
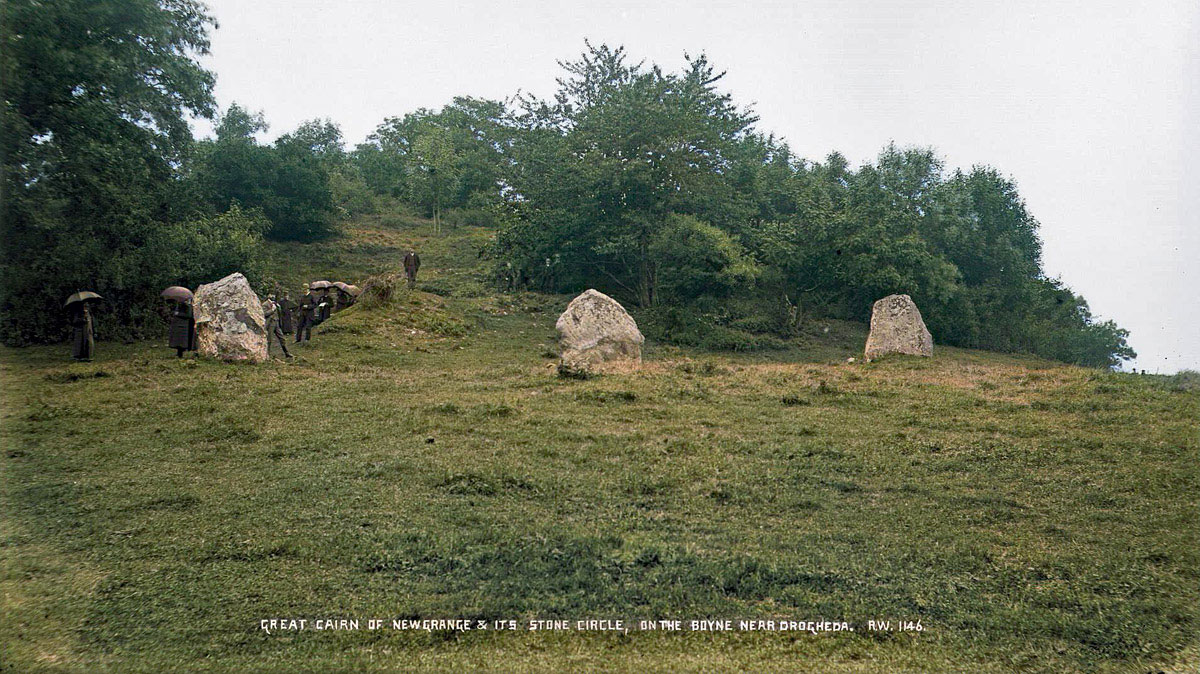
{"x": 94, "y": 135}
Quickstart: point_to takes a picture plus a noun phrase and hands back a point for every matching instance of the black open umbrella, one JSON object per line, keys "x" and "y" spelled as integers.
{"x": 82, "y": 296}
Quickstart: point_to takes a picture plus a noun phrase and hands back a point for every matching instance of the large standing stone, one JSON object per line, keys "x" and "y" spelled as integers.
{"x": 229, "y": 321}
{"x": 896, "y": 327}
{"x": 595, "y": 329}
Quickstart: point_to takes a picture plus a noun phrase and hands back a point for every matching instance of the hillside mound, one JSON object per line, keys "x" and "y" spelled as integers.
{"x": 388, "y": 305}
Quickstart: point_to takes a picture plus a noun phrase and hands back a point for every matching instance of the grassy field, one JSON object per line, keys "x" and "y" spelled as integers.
{"x": 423, "y": 460}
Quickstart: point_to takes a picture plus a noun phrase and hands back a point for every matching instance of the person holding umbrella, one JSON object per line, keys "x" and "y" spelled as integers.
{"x": 84, "y": 339}
{"x": 342, "y": 298}
{"x": 182, "y": 335}
{"x": 321, "y": 295}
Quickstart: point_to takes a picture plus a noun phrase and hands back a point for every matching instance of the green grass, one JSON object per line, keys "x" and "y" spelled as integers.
{"x": 424, "y": 459}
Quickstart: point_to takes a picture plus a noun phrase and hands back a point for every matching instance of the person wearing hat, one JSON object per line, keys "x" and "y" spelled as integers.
{"x": 306, "y": 312}
{"x": 332, "y": 298}
{"x": 271, "y": 314}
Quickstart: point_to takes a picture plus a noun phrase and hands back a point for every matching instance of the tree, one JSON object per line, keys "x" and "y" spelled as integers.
{"x": 300, "y": 201}
{"x": 289, "y": 181}
{"x": 620, "y": 149}
{"x": 450, "y": 158}
{"x": 94, "y": 133}
{"x": 318, "y": 138}
{"x": 233, "y": 168}
{"x": 435, "y": 164}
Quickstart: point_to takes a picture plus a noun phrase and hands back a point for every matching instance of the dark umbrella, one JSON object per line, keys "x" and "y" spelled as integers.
{"x": 178, "y": 293}
{"x": 82, "y": 296}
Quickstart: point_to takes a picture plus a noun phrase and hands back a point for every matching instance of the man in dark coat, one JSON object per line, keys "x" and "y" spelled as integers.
{"x": 412, "y": 262}
{"x": 306, "y": 312}
{"x": 182, "y": 336}
{"x": 84, "y": 344}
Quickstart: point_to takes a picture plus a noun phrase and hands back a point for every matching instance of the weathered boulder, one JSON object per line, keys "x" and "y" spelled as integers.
{"x": 229, "y": 321}
{"x": 897, "y": 327}
{"x": 596, "y": 329}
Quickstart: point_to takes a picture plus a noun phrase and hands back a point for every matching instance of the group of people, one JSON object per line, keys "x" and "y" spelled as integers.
{"x": 283, "y": 316}
{"x": 321, "y": 299}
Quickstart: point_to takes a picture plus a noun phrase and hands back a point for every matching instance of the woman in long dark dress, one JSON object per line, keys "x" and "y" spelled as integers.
{"x": 84, "y": 343}
{"x": 286, "y": 306}
{"x": 182, "y": 336}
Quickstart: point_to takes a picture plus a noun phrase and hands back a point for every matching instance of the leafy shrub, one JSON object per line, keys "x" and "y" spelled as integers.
{"x": 381, "y": 290}
{"x": 351, "y": 195}
{"x": 705, "y": 368}
{"x": 574, "y": 371}
{"x": 695, "y": 259}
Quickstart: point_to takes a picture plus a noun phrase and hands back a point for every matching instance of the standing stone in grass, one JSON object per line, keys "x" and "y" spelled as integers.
{"x": 896, "y": 327}
{"x": 596, "y": 329}
{"x": 229, "y": 321}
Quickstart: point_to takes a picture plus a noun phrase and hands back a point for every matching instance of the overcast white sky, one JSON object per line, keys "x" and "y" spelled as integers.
{"x": 1092, "y": 107}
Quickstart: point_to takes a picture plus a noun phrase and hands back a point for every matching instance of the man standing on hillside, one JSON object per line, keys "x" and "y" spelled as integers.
{"x": 412, "y": 262}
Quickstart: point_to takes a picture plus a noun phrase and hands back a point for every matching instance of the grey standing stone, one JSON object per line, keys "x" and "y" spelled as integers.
{"x": 897, "y": 327}
{"x": 596, "y": 329}
{"x": 229, "y": 321}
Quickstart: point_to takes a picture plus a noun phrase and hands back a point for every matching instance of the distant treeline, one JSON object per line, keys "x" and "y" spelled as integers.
{"x": 651, "y": 186}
